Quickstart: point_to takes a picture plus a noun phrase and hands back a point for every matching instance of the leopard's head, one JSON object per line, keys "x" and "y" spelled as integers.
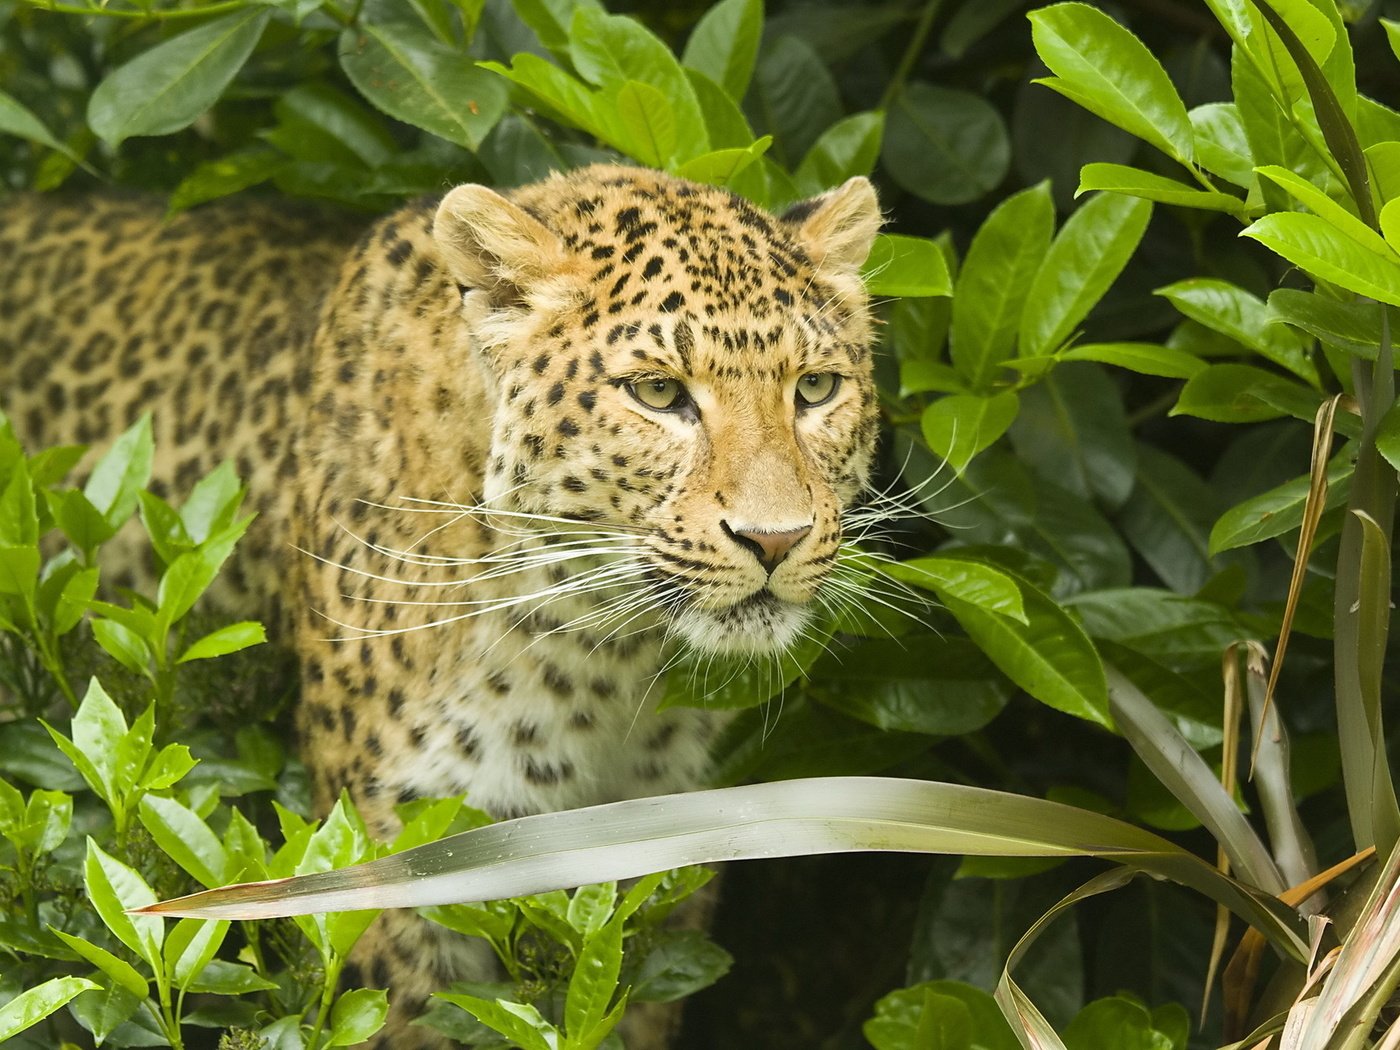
{"x": 682, "y": 371}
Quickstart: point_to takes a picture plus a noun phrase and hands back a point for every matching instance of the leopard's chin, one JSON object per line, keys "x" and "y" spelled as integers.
{"x": 759, "y": 625}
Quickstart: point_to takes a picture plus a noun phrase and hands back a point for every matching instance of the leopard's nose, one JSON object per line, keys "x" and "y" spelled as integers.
{"x": 769, "y": 546}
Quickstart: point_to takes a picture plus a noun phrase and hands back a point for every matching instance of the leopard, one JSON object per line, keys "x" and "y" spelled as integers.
{"x": 509, "y": 450}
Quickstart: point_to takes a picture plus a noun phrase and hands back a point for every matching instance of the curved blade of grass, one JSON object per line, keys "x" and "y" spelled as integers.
{"x": 1027, "y": 1022}
{"x": 622, "y": 840}
{"x": 1184, "y": 773}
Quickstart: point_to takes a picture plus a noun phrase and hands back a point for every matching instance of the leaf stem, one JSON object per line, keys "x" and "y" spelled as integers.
{"x": 911, "y": 53}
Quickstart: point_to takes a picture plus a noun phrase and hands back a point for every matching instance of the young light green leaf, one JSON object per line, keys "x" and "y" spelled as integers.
{"x": 1086, "y": 256}
{"x": 357, "y": 1015}
{"x": 1222, "y": 147}
{"x": 1352, "y": 326}
{"x": 122, "y": 644}
{"x": 1319, "y": 203}
{"x": 1149, "y": 359}
{"x": 1231, "y": 393}
{"x": 966, "y": 580}
{"x": 643, "y": 123}
{"x": 19, "y": 515}
{"x": 165, "y": 88}
{"x": 724, "y": 44}
{"x": 34, "y": 1004}
{"x": 1119, "y": 178}
{"x": 722, "y": 167}
{"x": 1311, "y": 242}
{"x": 849, "y": 147}
{"x": 15, "y": 119}
{"x": 590, "y": 907}
{"x": 113, "y": 888}
{"x": 120, "y": 474}
{"x": 960, "y": 426}
{"x": 230, "y": 639}
{"x": 594, "y": 981}
{"x": 990, "y": 294}
{"x": 906, "y": 266}
{"x": 1232, "y": 311}
{"x": 224, "y": 177}
{"x": 1110, "y": 72}
{"x": 119, "y": 970}
{"x": 1278, "y": 510}
{"x": 521, "y": 1023}
{"x": 185, "y": 838}
{"x": 411, "y": 75}
{"x": 191, "y": 946}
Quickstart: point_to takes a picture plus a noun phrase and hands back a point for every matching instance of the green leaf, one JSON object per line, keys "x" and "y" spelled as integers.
{"x": 167, "y": 87}
{"x": 680, "y": 963}
{"x": 119, "y": 970}
{"x": 1049, "y": 656}
{"x": 122, "y": 644}
{"x": 223, "y": 177}
{"x": 1234, "y": 312}
{"x": 1231, "y": 393}
{"x": 1222, "y": 147}
{"x": 915, "y": 684}
{"x": 98, "y": 730}
{"x": 1351, "y": 326}
{"x": 969, "y": 581}
{"x": 81, "y": 522}
{"x": 1319, "y": 203}
{"x": 960, "y": 426}
{"x": 357, "y": 1015}
{"x": 167, "y": 768}
{"x": 1072, "y": 430}
{"x": 230, "y": 639}
{"x": 1279, "y": 510}
{"x": 550, "y": 19}
{"x": 906, "y": 266}
{"x": 186, "y": 580}
{"x": 849, "y": 147}
{"x": 1168, "y": 519}
{"x": 191, "y": 946}
{"x": 722, "y": 167}
{"x": 645, "y": 124}
{"x": 47, "y": 818}
{"x": 185, "y": 838}
{"x": 594, "y": 981}
{"x": 990, "y": 294}
{"x": 1148, "y": 359}
{"x": 1107, "y": 70}
{"x": 908, "y": 1019}
{"x": 19, "y": 516}
{"x": 590, "y": 907}
{"x": 559, "y": 94}
{"x": 793, "y": 98}
{"x": 1311, "y": 242}
{"x": 1117, "y": 1022}
{"x": 331, "y": 115}
{"x": 34, "y": 1004}
{"x": 412, "y": 76}
{"x": 113, "y": 887}
{"x": 1388, "y": 436}
{"x": 1120, "y": 178}
{"x": 1085, "y": 258}
{"x": 120, "y": 474}
{"x": 225, "y": 978}
{"x": 518, "y": 1022}
{"x": 724, "y": 44}
{"x": 944, "y": 145}
{"x": 106, "y": 1010}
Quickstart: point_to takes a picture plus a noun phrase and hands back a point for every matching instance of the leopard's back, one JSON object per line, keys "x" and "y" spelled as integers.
{"x": 107, "y": 311}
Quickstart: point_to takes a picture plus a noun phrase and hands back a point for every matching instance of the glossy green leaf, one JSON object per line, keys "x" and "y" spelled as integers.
{"x": 1320, "y": 204}
{"x": 231, "y": 639}
{"x": 1279, "y": 510}
{"x": 412, "y": 76}
{"x": 1149, "y": 359}
{"x": 17, "y": 120}
{"x": 167, "y": 87}
{"x": 970, "y": 581}
{"x": 191, "y": 946}
{"x": 1222, "y": 147}
{"x": 1108, "y": 70}
{"x": 114, "y": 887}
{"x": 724, "y": 44}
{"x": 119, "y": 970}
{"x": 906, "y": 266}
{"x": 594, "y": 981}
{"x": 1234, "y": 312}
{"x": 915, "y": 1018}
{"x": 357, "y": 1015}
{"x": 682, "y": 963}
{"x": 1084, "y": 259}
{"x": 122, "y": 644}
{"x": 1352, "y": 326}
{"x": 1231, "y": 393}
{"x": 944, "y": 145}
{"x": 34, "y": 1004}
{"x": 19, "y": 515}
{"x": 185, "y": 838}
{"x": 1134, "y": 182}
{"x": 849, "y": 147}
{"x": 995, "y": 276}
{"x": 121, "y": 473}
{"x": 960, "y": 426}
{"x": 645, "y": 123}
{"x": 1311, "y": 242}
{"x": 1168, "y": 518}
{"x": 793, "y": 98}
{"x": 1073, "y": 431}
{"x": 521, "y": 1023}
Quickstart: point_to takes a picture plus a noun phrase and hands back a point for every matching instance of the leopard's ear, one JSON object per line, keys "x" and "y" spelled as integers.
{"x": 489, "y": 243}
{"x": 838, "y": 227}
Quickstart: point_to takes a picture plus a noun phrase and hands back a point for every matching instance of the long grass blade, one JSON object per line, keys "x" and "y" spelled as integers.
{"x": 788, "y": 818}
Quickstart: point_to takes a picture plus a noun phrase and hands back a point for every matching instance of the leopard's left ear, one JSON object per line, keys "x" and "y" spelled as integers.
{"x": 488, "y": 242}
{"x": 838, "y": 227}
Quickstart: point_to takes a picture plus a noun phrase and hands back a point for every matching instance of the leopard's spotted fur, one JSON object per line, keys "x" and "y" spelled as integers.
{"x": 488, "y": 356}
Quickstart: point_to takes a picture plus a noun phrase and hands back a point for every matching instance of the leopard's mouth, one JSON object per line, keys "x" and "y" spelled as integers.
{"x": 759, "y": 624}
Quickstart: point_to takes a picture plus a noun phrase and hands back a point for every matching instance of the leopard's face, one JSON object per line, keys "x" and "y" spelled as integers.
{"x": 690, "y": 377}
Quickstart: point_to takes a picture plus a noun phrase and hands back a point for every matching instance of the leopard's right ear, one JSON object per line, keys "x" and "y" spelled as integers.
{"x": 487, "y": 242}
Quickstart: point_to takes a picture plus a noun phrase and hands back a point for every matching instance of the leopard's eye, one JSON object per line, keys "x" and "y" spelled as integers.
{"x": 661, "y": 395}
{"x": 816, "y": 388}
